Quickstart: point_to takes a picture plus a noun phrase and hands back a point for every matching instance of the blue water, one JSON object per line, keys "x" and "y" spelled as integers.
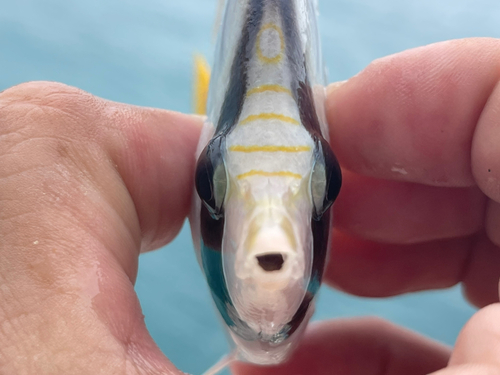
{"x": 140, "y": 52}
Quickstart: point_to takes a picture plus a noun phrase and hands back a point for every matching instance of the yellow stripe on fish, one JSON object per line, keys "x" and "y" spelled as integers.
{"x": 270, "y": 116}
{"x": 269, "y": 148}
{"x": 264, "y": 88}
{"x": 254, "y": 172}
{"x": 276, "y": 58}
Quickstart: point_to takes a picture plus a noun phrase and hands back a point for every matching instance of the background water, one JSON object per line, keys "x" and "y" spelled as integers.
{"x": 140, "y": 52}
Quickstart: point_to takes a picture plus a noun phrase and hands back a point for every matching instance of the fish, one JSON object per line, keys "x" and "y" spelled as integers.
{"x": 266, "y": 176}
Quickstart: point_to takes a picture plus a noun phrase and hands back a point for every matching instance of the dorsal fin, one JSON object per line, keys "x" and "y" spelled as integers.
{"x": 200, "y": 86}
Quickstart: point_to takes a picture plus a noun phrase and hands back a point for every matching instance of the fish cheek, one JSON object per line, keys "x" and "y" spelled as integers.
{"x": 212, "y": 231}
{"x": 321, "y": 234}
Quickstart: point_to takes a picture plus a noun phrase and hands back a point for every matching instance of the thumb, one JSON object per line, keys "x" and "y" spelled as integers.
{"x": 85, "y": 184}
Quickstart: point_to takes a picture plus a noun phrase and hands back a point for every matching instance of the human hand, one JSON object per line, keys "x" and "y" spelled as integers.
{"x": 418, "y": 136}
{"x": 91, "y": 182}
{"x": 85, "y": 185}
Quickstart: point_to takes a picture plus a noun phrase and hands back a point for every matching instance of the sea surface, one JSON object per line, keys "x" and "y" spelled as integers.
{"x": 140, "y": 52}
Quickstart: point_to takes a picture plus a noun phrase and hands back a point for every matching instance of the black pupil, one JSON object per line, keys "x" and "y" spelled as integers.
{"x": 204, "y": 174}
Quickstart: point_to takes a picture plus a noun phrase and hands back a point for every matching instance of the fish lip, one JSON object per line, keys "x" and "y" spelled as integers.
{"x": 270, "y": 238}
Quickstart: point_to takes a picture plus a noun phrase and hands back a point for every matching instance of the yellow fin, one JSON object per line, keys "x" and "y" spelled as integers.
{"x": 201, "y": 82}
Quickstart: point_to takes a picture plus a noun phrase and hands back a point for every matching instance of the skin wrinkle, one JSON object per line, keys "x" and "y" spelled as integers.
{"x": 6, "y": 134}
{"x": 38, "y": 308}
{"x": 134, "y": 141}
{"x": 107, "y": 208}
{"x": 84, "y": 171}
{"x": 6, "y": 330}
{"x": 101, "y": 232}
{"x": 40, "y": 270}
{"x": 58, "y": 152}
{"x": 139, "y": 141}
{"x": 82, "y": 357}
{"x": 30, "y": 111}
{"x": 422, "y": 80}
{"x": 79, "y": 133}
{"x": 31, "y": 194}
{"x": 157, "y": 230}
{"x": 22, "y": 321}
{"x": 16, "y": 174}
{"x": 64, "y": 100}
{"x": 65, "y": 197}
{"x": 12, "y": 150}
{"x": 65, "y": 176}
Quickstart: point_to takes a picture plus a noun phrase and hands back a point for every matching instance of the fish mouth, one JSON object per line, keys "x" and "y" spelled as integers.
{"x": 267, "y": 266}
{"x": 271, "y": 262}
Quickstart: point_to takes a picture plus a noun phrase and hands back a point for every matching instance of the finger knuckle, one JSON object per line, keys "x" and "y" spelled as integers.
{"x": 44, "y": 112}
{"x": 46, "y": 129}
{"x": 35, "y": 91}
{"x": 49, "y": 107}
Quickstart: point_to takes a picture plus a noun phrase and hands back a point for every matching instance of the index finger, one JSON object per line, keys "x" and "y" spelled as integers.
{"x": 412, "y": 116}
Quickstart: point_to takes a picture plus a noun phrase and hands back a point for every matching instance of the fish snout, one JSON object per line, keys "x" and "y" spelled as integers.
{"x": 268, "y": 271}
{"x": 271, "y": 262}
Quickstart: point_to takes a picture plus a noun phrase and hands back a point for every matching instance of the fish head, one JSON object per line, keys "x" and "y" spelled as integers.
{"x": 271, "y": 262}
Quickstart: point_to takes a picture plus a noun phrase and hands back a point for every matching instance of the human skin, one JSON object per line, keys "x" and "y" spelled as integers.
{"x": 87, "y": 184}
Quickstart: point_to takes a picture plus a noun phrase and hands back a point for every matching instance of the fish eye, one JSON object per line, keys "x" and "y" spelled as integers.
{"x": 326, "y": 179}
{"x": 211, "y": 178}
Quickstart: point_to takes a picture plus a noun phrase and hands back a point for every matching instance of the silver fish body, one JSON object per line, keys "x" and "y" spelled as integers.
{"x": 266, "y": 176}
